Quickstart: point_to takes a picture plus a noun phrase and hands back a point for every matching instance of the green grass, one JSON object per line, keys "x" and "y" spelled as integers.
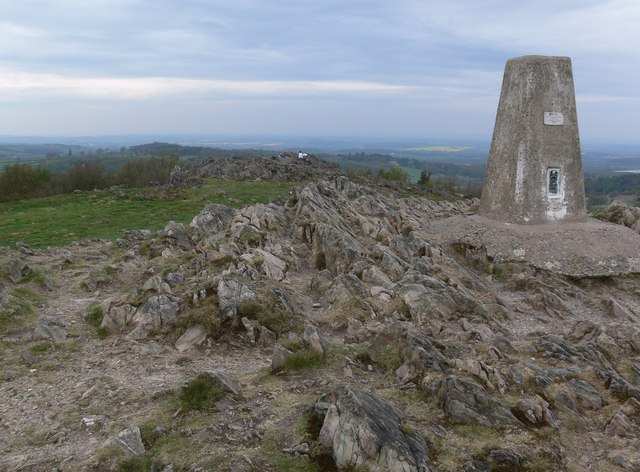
{"x": 94, "y": 318}
{"x": 303, "y": 361}
{"x": 105, "y": 214}
{"x": 271, "y": 452}
{"x": 19, "y": 309}
{"x": 200, "y": 394}
{"x": 266, "y": 313}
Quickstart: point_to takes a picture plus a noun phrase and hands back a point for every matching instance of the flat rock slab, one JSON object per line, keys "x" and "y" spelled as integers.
{"x": 590, "y": 248}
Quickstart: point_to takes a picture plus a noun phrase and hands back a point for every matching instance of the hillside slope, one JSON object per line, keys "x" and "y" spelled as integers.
{"x": 322, "y": 333}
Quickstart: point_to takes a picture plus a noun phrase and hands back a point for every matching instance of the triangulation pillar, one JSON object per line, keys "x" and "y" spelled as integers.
{"x": 534, "y": 173}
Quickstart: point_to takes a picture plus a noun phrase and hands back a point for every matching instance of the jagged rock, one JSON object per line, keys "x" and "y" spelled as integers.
{"x": 267, "y": 337}
{"x": 584, "y": 330}
{"x": 17, "y": 268}
{"x": 393, "y": 265}
{"x": 91, "y": 285}
{"x": 156, "y": 284}
{"x": 272, "y": 266}
{"x": 362, "y": 430}
{"x": 490, "y": 377}
{"x": 621, "y": 387}
{"x": 620, "y": 213}
{"x": 321, "y": 282}
{"x": 416, "y": 351}
{"x": 430, "y": 299}
{"x": 223, "y": 382}
{"x": 621, "y": 425}
{"x": 624, "y": 459}
{"x": 284, "y": 168}
{"x": 464, "y": 401}
{"x": 535, "y": 412}
{"x": 156, "y": 312}
{"x": 24, "y": 248}
{"x": 376, "y": 276}
{"x": 502, "y": 460}
{"x": 314, "y": 340}
{"x": 178, "y": 177}
{"x": 586, "y": 394}
{"x": 128, "y": 441}
{"x": 615, "y": 310}
{"x": 51, "y": 328}
{"x": 28, "y": 357}
{"x": 192, "y": 337}
{"x": 213, "y": 219}
{"x": 176, "y": 236}
{"x": 279, "y": 357}
{"x": 555, "y": 346}
{"x": 231, "y": 294}
{"x": 174, "y": 278}
{"x": 631, "y": 407}
{"x": 249, "y": 328}
{"x": 475, "y": 466}
{"x": 335, "y": 250}
{"x": 118, "y": 317}
{"x": 264, "y": 218}
{"x": 345, "y": 288}
{"x": 131, "y": 235}
{"x": 93, "y": 422}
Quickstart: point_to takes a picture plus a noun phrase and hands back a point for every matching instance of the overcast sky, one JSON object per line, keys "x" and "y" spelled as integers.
{"x": 392, "y": 68}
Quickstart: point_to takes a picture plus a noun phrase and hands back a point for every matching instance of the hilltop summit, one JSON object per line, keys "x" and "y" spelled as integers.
{"x": 325, "y": 332}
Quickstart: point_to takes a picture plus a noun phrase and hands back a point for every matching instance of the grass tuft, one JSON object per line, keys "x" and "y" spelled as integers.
{"x": 200, "y": 394}
{"x": 266, "y": 313}
{"x": 94, "y": 318}
{"x": 303, "y": 360}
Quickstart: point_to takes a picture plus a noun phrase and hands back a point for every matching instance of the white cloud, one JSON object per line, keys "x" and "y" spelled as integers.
{"x": 23, "y": 86}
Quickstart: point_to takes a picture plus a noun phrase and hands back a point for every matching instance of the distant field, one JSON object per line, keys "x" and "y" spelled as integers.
{"x": 438, "y": 148}
{"x": 59, "y": 220}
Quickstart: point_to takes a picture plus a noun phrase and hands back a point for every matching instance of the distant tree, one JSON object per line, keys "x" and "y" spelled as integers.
{"x": 85, "y": 175}
{"x": 146, "y": 172}
{"x": 23, "y": 181}
{"x": 425, "y": 178}
{"x": 396, "y": 174}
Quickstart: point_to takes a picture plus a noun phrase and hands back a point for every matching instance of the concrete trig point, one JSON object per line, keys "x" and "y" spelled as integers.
{"x": 535, "y": 168}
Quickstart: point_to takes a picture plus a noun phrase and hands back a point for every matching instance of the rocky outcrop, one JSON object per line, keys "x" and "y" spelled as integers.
{"x": 416, "y": 352}
{"x": 158, "y": 311}
{"x": 231, "y": 294}
{"x": 213, "y": 219}
{"x": 128, "y": 441}
{"x": 489, "y": 361}
{"x": 362, "y": 430}
{"x": 286, "y": 168}
{"x": 52, "y": 328}
{"x": 17, "y": 269}
{"x": 620, "y": 213}
{"x": 464, "y": 401}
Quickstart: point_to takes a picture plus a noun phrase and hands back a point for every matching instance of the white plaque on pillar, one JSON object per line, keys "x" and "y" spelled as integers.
{"x": 553, "y": 118}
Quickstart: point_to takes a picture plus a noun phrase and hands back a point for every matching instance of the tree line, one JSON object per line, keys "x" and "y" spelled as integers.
{"x": 21, "y": 181}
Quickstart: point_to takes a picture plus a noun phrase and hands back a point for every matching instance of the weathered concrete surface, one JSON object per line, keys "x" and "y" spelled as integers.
{"x": 590, "y": 248}
{"x": 535, "y": 134}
